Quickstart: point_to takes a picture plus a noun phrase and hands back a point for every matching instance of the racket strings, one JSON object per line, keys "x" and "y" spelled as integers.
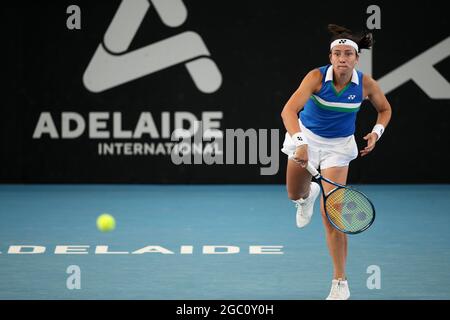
{"x": 349, "y": 210}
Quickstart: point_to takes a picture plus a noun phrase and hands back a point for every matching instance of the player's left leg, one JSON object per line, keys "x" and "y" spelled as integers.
{"x": 336, "y": 240}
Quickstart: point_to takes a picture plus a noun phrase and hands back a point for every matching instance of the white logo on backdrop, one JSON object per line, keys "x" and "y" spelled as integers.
{"x": 112, "y": 65}
{"x": 419, "y": 69}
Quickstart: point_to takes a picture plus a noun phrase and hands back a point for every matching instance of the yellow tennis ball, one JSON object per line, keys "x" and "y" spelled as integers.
{"x": 106, "y": 222}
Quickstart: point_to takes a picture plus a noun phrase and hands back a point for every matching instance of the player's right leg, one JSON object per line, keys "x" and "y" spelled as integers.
{"x": 301, "y": 191}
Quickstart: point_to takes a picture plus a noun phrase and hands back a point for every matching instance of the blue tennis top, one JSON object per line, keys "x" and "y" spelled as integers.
{"x": 332, "y": 114}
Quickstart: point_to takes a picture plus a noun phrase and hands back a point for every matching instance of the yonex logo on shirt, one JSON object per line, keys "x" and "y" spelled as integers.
{"x": 351, "y": 97}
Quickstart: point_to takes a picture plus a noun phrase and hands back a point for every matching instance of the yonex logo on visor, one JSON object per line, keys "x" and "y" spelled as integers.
{"x": 346, "y": 42}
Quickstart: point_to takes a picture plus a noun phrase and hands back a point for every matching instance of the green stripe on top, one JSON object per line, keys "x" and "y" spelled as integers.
{"x": 338, "y": 94}
{"x": 339, "y": 107}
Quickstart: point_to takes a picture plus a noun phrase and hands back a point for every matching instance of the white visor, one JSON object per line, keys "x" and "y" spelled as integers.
{"x": 345, "y": 42}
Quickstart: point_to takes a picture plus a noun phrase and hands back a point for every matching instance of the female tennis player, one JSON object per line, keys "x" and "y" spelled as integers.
{"x": 323, "y": 134}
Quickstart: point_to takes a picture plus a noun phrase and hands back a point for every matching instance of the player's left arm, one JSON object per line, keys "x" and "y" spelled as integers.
{"x": 373, "y": 92}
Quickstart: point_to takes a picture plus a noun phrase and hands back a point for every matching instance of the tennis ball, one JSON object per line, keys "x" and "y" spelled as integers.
{"x": 106, "y": 222}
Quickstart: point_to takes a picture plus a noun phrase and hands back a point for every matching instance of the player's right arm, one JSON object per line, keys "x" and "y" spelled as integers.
{"x": 310, "y": 84}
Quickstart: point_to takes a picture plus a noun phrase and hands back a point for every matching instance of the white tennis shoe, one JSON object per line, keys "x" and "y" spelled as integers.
{"x": 339, "y": 290}
{"x": 305, "y": 207}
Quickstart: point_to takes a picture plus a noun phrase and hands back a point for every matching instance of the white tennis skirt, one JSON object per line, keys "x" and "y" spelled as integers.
{"x": 324, "y": 152}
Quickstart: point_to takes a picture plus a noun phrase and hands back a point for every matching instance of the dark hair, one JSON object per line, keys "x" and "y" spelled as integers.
{"x": 364, "y": 39}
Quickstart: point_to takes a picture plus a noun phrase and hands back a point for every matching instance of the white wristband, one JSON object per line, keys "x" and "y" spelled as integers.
{"x": 378, "y": 129}
{"x": 299, "y": 139}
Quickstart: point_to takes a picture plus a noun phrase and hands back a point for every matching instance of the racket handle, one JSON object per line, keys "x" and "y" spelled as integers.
{"x": 312, "y": 170}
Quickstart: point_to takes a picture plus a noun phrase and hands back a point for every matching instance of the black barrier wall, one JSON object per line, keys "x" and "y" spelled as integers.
{"x": 97, "y": 102}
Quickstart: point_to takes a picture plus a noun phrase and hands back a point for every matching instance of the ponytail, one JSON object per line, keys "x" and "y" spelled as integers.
{"x": 364, "y": 40}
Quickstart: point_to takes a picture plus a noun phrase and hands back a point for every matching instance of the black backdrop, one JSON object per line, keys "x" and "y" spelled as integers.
{"x": 262, "y": 49}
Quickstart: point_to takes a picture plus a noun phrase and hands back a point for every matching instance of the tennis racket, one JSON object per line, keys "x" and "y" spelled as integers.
{"x": 347, "y": 209}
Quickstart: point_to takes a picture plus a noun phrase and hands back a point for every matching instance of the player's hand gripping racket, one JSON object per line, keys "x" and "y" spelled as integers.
{"x": 347, "y": 209}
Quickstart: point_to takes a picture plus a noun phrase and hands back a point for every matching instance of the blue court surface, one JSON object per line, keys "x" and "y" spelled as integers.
{"x": 409, "y": 243}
